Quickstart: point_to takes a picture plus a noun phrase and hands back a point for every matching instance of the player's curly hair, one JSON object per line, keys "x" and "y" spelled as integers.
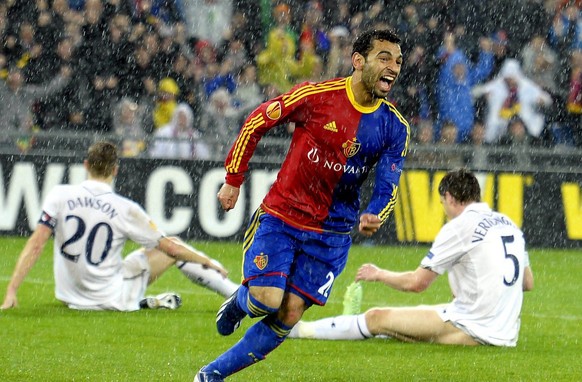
{"x": 462, "y": 185}
{"x": 102, "y": 158}
{"x": 365, "y": 42}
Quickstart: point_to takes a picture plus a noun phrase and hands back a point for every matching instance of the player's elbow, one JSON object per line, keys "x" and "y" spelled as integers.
{"x": 420, "y": 280}
{"x": 417, "y": 287}
{"x": 170, "y": 246}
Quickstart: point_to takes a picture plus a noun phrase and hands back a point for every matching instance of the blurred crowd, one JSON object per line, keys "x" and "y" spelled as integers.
{"x": 176, "y": 78}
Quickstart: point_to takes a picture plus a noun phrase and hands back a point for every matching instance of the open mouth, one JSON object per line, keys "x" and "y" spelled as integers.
{"x": 386, "y": 82}
{"x": 388, "y": 79}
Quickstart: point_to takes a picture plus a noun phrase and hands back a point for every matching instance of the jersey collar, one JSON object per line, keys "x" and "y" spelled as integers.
{"x": 355, "y": 104}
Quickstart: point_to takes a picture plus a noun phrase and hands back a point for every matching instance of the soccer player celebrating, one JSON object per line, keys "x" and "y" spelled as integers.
{"x": 298, "y": 240}
{"x": 484, "y": 254}
{"x": 91, "y": 224}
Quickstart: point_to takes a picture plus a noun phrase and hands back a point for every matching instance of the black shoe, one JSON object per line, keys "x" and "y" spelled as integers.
{"x": 229, "y": 316}
{"x": 208, "y": 376}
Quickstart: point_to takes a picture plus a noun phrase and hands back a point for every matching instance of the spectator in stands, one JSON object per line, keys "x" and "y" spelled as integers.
{"x": 18, "y": 98}
{"x": 219, "y": 75}
{"x": 29, "y": 54}
{"x": 179, "y": 139}
{"x": 339, "y": 60}
{"x": 208, "y": 20}
{"x": 62, "y": 13}
{"x": 502, "y": 50}
{"x": 540, "y": 63}
{"x": 247, "y": 95}
{"x": 573, "y": 115}
{"x": 128, "y": 125}
{"x": 518, "y": 139}
{"x": 566, "y": 31}
{"x": 168, "y": 12}
{"x": 423, "y": 153}
{"x": 456, "y": 78}
{"x": 220, "y": 120}
{"x": 140, "y": 82}
{"x": 234, "y": 51}
{"x": 516, "y": 134}
{"x": 236, "y": 41}
{"x": 478, "y": 155}
{"x": 163, "y": 43}
{"x": 447, "y": 140}
{"x": 185, "y": 72}
{"x": 278, "y": 63}
{"x": 168, "y": 50}
{"x": 511, "y": 95}
{"x": 166, "y": 102}
{"x": 101, "y": 82}
{"x": 63, "y": 109}
{"x": 313, "y": 30}
{"x": 410, "y": 94}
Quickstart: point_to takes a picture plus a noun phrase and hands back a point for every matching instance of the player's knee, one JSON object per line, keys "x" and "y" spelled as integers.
{"x": 270, "y": 296}
{"x": 374, "y": 318}
{"x": 292, "y": 310}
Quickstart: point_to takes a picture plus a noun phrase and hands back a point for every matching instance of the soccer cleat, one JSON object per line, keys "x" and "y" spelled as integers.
{"x": 353, "y": 299}
{"x": 168, "y": 300}
{"x": 208, "y": 376}
{"x": 229, "y": 316}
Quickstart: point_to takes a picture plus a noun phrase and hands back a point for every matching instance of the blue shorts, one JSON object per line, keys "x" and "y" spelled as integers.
{"x": 302, "y": 262}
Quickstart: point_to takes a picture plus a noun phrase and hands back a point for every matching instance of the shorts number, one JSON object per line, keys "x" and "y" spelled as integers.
{"x": 324, "y": 290}
{"x": 90, "y": 243}
{"x": 508, "y": 240}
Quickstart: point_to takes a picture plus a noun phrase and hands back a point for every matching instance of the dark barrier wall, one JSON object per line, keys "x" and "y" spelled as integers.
{"x": 181, "y": 198}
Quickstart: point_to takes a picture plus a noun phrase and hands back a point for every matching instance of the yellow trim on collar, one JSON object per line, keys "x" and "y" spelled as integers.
{"x": 357, "y": 106}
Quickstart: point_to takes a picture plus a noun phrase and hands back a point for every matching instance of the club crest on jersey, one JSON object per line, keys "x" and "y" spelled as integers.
{"x": 351, "y": 147}
{"x": 274, "y": 110}
{"x": 261, "y": 261}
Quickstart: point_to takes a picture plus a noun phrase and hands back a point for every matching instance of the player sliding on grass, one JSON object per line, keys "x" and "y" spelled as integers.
{"x": 297, "y": 242}
{"x": 484, "y": 254}
{"x": 90, "y": 224}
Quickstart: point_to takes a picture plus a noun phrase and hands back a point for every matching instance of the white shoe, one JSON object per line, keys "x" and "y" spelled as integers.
{"x": 167, "y": 300}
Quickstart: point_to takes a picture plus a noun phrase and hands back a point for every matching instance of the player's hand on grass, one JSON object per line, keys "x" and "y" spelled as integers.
{"x": 228, "y": 196}
{"x": 368, "y": 272}
{"x": 369, "y": 224}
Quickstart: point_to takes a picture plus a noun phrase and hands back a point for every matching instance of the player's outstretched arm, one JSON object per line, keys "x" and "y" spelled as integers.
{"x": 28, "y": 257}
{"x": 176, "y": 248}
{"x": 411, "y": 281}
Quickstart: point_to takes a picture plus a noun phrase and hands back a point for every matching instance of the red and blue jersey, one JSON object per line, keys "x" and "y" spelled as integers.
{"x": 335, "y": 145}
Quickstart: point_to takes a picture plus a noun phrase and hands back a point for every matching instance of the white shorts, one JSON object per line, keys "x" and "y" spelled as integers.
{"x": 136, "y": 273}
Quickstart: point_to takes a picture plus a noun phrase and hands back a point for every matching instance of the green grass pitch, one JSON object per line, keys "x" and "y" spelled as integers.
{"x": 43, "y": 341}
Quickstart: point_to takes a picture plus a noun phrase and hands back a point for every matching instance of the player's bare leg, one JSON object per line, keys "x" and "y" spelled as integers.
{"x": 416, "y": 324}
{"x": 159, "y": 263}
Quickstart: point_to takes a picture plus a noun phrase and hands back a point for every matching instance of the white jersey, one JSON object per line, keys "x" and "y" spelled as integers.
{"x": 91, "y": 224}
{"x": 484, "y": 253}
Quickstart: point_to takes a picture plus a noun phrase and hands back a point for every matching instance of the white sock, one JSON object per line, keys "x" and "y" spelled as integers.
{"x": 352, "y": 327}
{"x": 208, "y": 278}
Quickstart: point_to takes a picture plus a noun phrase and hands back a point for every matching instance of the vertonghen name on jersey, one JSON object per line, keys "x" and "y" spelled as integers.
{"x": 336, "y": 166}
{"x": 487, "y": 223}
{"x": 93, "y": 203}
